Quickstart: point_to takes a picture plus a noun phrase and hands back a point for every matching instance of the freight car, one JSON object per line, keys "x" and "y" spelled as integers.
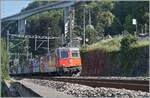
{"x": 62, "y": 61}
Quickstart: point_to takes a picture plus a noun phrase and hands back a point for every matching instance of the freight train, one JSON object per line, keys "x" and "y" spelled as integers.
{"x": 64, "y": 60}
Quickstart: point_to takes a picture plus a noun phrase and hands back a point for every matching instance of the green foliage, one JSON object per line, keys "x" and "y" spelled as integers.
{"x": 128, "y": 24}
{"x": 127, "y": 41}
{"x": 104, "y": 20}
{"x": 11, "y": 26}
{"x": 106, "y": 17}
{"x": 137, "y": 9}
{"x": 4, "y": 60}
{"x": 101, "y": 17}
{"x": 39, "y": 25}
{"x": 128, "y": 54}
{"x": 116, "y": 27}
{"x": 90, "y": 34}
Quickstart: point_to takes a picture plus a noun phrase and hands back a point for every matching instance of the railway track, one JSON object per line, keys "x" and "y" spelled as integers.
{"x": 130, "y": 84}
{"x": 104, "y": 87}
{"x": 142, "y": 85}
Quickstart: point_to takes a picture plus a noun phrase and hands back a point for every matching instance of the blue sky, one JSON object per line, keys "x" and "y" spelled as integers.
{"x": 11, "y": 7}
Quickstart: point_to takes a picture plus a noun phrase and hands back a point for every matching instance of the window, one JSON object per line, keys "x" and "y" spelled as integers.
{"x": 64, "y": 54}
{"x": 75, "y": 54}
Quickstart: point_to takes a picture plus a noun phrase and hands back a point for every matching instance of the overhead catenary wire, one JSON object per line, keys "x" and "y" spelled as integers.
{"x": 33, "y": 36}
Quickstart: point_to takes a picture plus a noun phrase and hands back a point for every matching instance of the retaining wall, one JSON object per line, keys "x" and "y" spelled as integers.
{"x": 101, "y": 63}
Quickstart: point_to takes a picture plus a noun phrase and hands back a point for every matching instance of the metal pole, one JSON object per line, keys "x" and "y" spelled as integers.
{"x": 0, "y": 40}
{"x": 27, "y": 49}
{"x": 84, "y": 28}
{"x": 136, "y": 28}
{"x": 18, "y": 57}
{"x": 62, "y": 40}
{"x": 35, "y": 43}
{"x": 72, "y": 26}
{"x": 145, "y": 28}
{"x": 8, "y": 41}
{"x": 48, "y": 40}
{"x": 70, "y": 14}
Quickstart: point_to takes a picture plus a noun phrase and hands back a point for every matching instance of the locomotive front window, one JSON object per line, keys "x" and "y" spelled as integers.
{"x": 64, "y": 54}
{"x": 75, "y": 54}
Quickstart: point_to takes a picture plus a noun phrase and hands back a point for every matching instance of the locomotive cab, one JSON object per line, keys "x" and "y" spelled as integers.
{"x": 68, "y": 59}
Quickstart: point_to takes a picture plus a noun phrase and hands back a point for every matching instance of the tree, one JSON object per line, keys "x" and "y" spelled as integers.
{"x": 128, "y": 24}
{"x": 101, "y": 16}
{"x": 106, "y": 16}
{"x": 135, "y": 9}
{"x": 116, "y": 27}
{"x": 104, "y": 20}
{"x": 38, "y": 25}
{"x": 90, "y": 34}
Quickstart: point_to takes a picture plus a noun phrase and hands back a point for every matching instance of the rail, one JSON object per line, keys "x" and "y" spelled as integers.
{"x": 142, "y": 85}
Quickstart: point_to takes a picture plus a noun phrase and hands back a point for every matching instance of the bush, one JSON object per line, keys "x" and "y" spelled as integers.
{"x": 127, "y": 41}
{"x": 128, "y": 54}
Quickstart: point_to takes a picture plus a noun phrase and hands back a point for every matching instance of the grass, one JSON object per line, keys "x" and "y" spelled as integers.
{"x": 114, "y": 44}
{"x": 140, "y": 43}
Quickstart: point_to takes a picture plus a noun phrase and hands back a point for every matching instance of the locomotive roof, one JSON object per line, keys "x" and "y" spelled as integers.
{"x": 69, "y": 48}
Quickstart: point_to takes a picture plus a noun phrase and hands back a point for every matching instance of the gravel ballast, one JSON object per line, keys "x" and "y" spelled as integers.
{"x": 110, "y": 78}
{"x": 87, "y": 91}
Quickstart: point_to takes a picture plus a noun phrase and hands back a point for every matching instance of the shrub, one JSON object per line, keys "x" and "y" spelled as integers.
{"x": 128, "y": 54}
{"x": 127, "y": 41}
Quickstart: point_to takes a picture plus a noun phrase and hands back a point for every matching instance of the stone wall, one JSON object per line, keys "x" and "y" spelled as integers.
{"x": 101, "y": 63}
{"x": 93, "y": 62}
